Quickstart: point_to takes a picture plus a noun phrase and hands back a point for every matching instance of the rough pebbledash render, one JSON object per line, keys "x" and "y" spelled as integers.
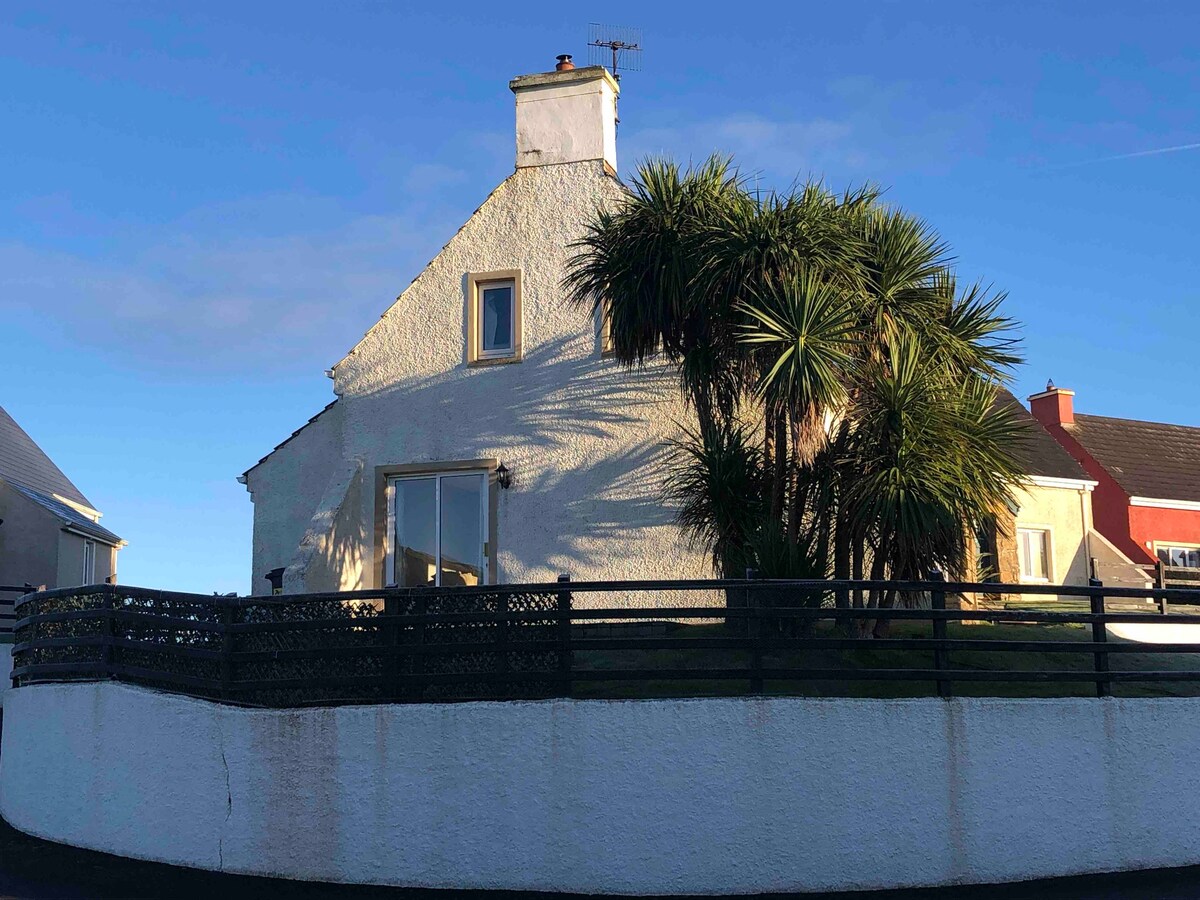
{"x": 583, "y": 437}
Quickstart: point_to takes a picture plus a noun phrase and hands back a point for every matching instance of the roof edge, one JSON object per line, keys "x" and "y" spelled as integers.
{"x": 287, "y": 440}
{"x": 425, "y": 268}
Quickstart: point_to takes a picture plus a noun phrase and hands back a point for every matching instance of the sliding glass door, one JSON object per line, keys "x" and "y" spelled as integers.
{"x": 437, "y": 529}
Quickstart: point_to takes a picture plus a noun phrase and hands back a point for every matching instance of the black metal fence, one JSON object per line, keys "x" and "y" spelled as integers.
{"x": 590, "y": 639}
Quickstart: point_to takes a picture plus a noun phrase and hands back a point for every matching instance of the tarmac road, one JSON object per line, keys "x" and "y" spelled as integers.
{"x": 36, "y": 869}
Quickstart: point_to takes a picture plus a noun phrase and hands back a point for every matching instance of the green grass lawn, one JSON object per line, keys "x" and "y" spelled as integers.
{"x": 886, "y": 658}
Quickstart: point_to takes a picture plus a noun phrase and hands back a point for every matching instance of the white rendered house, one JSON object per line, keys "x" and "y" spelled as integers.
{"x": 482, "y": 366}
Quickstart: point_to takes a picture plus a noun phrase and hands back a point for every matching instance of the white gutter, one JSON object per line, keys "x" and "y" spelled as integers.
{"x": 1158, "y": 503}
{"x": 1074, "y": 484}
{"x": 92, "y": 537}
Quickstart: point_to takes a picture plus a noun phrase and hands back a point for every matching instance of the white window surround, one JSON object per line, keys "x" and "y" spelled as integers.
{"x": 1026, "y": 534}
{"x": 478, "y": 283}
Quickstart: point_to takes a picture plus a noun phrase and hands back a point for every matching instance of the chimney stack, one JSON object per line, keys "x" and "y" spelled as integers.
{"x": 1053, "y": 406}
{"x": 568, "y": 115}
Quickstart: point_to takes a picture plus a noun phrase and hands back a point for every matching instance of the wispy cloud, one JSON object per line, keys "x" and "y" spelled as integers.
{"x": 1156, "y": 152}
{"x": 782, "y": 147}
{"x": 288, "y": 298}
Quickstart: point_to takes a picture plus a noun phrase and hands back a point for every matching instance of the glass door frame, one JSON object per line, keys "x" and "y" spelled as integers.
{"x": 485, "y": 491}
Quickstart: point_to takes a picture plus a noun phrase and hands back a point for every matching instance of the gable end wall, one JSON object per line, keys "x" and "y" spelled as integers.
{"x": 583, "y": 438}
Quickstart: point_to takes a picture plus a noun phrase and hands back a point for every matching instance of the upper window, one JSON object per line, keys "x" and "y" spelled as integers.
{"x": 1179, "y": 557}
{"x": 497, "y": 335}
{"x": 494, "y": 331}
{"x": 1033, "y": 548}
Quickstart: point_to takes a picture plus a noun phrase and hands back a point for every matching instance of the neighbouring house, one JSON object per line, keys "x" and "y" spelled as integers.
{"x": 480, "y": 432}
{"x": 1147, "y": 498}
{"x": 1046, "y": 536}
{"x": 50, "y": 533}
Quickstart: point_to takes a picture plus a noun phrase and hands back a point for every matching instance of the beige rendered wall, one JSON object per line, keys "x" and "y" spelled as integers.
{"x": 70, "y": 560}
{"x": 1067, "y": 513}
{"x": 28, "y": 541}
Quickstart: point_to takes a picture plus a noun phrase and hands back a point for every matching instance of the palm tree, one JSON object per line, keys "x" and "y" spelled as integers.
{"x": 643, "y": 267}
{"x": 843, "y": 385}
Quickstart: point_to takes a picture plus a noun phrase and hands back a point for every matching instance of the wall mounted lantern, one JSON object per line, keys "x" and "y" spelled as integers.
{"x": 503, "y": 476}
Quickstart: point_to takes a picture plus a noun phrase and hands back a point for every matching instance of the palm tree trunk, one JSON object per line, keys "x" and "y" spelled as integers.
{"x": 858, "y": 551}
{"x": 875, "y": 595}
{"x": 780, "y": 473}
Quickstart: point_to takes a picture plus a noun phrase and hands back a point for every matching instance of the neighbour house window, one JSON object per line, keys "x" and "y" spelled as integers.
{"x": 494, "y": 328}
{"x": 1182, "y": 557}
{"x": 1033, "y": 548}
{"x": 89, "y": 562}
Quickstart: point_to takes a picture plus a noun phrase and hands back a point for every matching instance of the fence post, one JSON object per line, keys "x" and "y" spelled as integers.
{"x": 391, "y": 645}
{"x": 937, "y": 603}
{"x": 754, "y": 631}
{"x": 228, "y": 638}
{"x": 1160, "y": 580}
{"x": 566, "y": 658}
{"x": 1100, "y": 636}
{"x": 421, "y": 609}
{"x": 502, "y": 607}
{"x": 110, "y": 634}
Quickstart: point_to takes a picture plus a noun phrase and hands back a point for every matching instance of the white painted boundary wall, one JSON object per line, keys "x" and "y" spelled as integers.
{"x": 704, "y": 796}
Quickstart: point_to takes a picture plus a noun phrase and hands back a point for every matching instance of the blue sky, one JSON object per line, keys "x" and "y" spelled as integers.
{"x": 205, "y": 205}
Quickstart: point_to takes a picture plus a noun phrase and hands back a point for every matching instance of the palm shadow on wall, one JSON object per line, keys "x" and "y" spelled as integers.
{"x": 564, "y": 420}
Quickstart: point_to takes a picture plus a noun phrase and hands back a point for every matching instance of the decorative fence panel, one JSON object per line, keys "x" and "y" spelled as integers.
{"x": 533, "y": 641}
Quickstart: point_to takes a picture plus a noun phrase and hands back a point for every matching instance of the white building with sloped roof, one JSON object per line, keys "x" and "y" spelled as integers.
{"x": 480, "y": 433}
{"x": 50, "y": 533}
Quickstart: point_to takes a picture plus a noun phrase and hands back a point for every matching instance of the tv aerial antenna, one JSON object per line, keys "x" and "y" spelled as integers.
{"x": 615, "y": 47}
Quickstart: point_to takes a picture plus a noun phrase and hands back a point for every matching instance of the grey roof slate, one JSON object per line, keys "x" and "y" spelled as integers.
{"x": 70, "y": 517}
{"x": 26, "y": 468}
{"x": 1148, "y": 459}
{"x": 24, "y": 462}
{"x": 1041, "y": 453}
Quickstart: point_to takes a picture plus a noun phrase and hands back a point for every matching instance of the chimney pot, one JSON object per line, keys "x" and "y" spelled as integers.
{"x": 564, "y": 63}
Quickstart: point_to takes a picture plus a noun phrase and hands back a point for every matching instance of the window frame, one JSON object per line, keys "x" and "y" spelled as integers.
{"x": 89, "y": 561}
{"x": 1174, "y": 545}
{"x": 477, "y": 283}
{"x": 1047, "y": 534}
{"x": 390, "y": 475}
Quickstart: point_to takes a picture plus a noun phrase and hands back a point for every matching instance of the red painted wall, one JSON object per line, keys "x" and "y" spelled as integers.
{"x": 1110, "y": 503}
{"x": 1147, "y": 523}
